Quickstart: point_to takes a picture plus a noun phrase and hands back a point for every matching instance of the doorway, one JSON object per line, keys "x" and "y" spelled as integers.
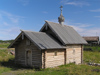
{"x": 29, "y": 58}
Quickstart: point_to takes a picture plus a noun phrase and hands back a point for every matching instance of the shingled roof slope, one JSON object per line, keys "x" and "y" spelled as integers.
{"x": 66, "y": 33}
{"x": 42, "y": 40}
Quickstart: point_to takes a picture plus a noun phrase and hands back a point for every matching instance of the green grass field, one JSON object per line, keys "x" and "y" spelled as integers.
{"x": 4, "y": 45}
{"x": 7, "y": 66}
{"x": 94, "y": 48}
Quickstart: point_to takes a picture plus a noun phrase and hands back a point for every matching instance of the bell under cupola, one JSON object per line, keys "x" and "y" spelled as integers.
{"x": 61, "y": 18}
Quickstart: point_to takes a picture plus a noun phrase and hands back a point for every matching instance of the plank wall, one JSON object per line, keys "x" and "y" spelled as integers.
{"x": 51, "y": 60}
{"x": 74, "y": 54}
{"x": 20, "y": 56}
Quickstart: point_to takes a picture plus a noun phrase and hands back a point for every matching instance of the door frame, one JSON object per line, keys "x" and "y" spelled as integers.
{"x": 26, "y": 57}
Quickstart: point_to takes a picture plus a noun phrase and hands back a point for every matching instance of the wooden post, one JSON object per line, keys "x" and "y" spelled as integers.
{"x": 15, "y": 54}
{"x": 81, "y": 54}
{"x": 41, "y": 60}
{"x": 65, "y": 56}
{"x": 45, "y": 58}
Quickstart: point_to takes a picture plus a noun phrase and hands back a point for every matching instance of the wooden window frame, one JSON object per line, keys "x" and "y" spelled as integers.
{"x": 73, "y": 51}
{"x": 55, "y": 53}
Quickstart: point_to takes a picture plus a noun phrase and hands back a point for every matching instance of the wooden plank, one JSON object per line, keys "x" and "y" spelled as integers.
{"x": 21, "y": 49}
{"x": 45, "y": 58}
{"x": 71, "y": 57}
{"x": 53, "y": 60}
{"x": 81, "y": 53}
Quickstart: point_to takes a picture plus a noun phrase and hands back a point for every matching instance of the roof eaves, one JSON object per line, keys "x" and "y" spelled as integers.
{"x": 54, "y": 48}
{"x": 77, "y": 43}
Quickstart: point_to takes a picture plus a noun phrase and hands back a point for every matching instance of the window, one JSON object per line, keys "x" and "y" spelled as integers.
{"x": 27, "y": 42}
{"x": 55, "y": 53}
{"x": 73, "y": 51}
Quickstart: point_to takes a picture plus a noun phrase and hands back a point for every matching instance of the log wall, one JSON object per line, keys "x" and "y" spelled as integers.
{"x": 74, "y": 54}
{"x": 20, "y": 56}
{"x": 50, "y": 59}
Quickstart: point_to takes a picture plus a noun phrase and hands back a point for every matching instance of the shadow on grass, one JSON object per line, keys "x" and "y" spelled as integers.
{"x": 11, "y": 64}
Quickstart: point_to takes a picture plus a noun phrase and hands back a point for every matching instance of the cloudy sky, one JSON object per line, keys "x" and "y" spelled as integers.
{"x": 83, "y": 15}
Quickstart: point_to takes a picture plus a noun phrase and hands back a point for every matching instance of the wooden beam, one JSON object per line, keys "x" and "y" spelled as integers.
{"x": 81, "y": 54}
{"x": 22, "y": 36}
{"x": 65, "y": 56}
{"x": 46, "y": 27}
{"x": 45, "y": 58}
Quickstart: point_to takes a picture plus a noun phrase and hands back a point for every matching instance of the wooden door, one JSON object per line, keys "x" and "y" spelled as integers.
{"x": 29, "y": 58}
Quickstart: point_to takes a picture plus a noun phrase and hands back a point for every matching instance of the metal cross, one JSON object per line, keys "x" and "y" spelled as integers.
{"x": 61, "y": 9}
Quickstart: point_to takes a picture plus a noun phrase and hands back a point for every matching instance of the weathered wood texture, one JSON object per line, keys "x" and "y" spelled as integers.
{"x": 48, "y": 58}
{"x": 81, "y": 53}
{"x": 74, "y": 54}
{"x": 51, "y": 60}
{"x": 20, "y": 56}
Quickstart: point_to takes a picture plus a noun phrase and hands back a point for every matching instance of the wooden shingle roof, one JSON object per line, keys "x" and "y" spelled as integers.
{"x": 66, "y": 34}
{"x": 40, "y": 39}
{"x": 43, "y": 40}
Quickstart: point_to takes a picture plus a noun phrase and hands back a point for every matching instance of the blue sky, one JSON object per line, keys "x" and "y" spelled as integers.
{"x": 83, "y": 15}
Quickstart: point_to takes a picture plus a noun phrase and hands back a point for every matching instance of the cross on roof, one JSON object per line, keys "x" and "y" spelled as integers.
{"x": 61, "y": 7}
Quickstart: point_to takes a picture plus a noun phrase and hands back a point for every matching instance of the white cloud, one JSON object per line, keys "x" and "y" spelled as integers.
{"x": 9, "y": 25}
{"x": 96, "y": 10}
{"x": 75, "y": 2}
{"x": 79, "y": 26}
{"x": 6, "y": 24}
{"x": 79, "y": 29}
{"x": 82, "y": 29}
{"x": 11, "y": 17}
{"x": 10, "y": 33}
{"x": 24, "y": 2}
{"x": 91, "y": 32}
{"x": 86, "y": 30}
{"x": 15, "y": 20}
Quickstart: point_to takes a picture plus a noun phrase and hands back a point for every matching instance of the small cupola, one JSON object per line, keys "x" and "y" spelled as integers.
{"x": 61, "y": 18}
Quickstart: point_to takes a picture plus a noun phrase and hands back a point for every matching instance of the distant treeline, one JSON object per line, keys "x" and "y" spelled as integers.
{"x": 6, "y": 41}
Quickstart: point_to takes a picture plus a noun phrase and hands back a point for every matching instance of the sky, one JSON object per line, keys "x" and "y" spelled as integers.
{"x": 82, "y": 15}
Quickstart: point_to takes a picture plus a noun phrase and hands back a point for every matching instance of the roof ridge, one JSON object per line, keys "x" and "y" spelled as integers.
{"x": 31, "y": 31}
{"x": 27, "y": 30}
{"x": 58, "y": 23}
{"x": 68, "y": 26}
{"x": 51, "y": 22}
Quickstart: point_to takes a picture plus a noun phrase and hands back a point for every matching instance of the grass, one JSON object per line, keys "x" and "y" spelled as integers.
{"x": 4, "y": 45}
{"x": 90, "y": 56}
{"x": 7, "y": 66}
{"x": 93, "y": 48}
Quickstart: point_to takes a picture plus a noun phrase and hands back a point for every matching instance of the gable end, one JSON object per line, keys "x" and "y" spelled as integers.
{"x": 20, "y": 38}
{"x": 52, "y": 32}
